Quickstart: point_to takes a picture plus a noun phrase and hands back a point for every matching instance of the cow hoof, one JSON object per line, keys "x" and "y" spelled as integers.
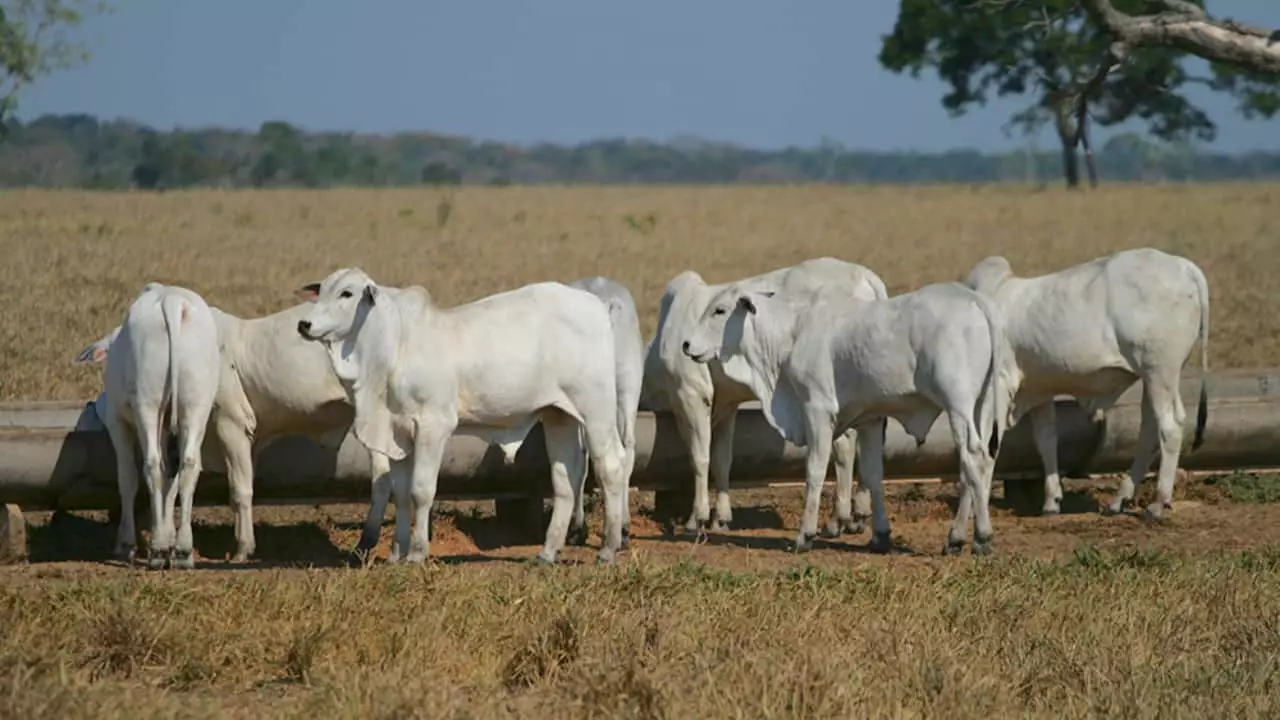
{"x": 981, "y": 546}
{"x": 1153, "y": 512}
{"x": 125, "y": 553}
{"x": 157, "y": 562}
{"x": 1117, "y": 507}
{"x": 696, "y": 526}
{"x": 1050, "y": 510}
{"x": 183, "y": 560}
{"x": 578, "y": 536}
{"x": 541, "y": 559}
{"x": 881, "y": 543}
{"x": 953, "y": 547}
{"x": 831, "y": 529}
{"x": 605, "y": 557}
{"x": 721, "y": 524}
{"x": 803, "y": 542}
{"x": 857, "y": 526}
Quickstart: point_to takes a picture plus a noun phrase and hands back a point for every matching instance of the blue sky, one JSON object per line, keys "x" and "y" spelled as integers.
{"x": 764, "y": 74}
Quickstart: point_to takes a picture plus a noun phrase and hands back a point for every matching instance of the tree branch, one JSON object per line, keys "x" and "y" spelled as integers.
{"x": 1187, "y": 27}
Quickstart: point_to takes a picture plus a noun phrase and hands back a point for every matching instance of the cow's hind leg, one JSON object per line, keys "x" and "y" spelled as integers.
{"x": 1044, "y": 426}
{"x": 564, "y": 451}
{"x": 122, "y": 439}
{"x": 578, "y": 534}
{"x": 1166, "y": 403}
{"x": 608, "y": 457}
{"x": 1148, "y": 442}
{"x": 154, "y": 472}
{"x": 189, "y": 466}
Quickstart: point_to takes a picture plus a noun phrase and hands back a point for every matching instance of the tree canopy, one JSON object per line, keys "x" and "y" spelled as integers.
{"x": 1064, "y": 54}
{"x": 34, "y": 41}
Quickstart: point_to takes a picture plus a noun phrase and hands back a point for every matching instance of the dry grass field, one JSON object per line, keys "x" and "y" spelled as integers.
{"x": 1075, "y": 616}
{"x": 73, "y": 261}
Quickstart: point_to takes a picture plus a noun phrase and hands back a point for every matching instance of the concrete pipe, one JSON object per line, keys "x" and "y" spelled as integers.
{"x": 46, "y": 464}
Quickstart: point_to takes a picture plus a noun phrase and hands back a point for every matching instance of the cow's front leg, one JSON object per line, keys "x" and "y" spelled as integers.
{"x": 818, "y": 445}
{"x": 844, "y": 450}
{"x": 871, "y": 474}
{"x": 693, "y": 420}
{"x": 428, "y": 452}
{"x": 723, "y": 425}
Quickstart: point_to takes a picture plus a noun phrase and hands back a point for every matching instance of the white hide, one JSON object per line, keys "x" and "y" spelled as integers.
{"x": 160, "y": 382}
{"x": 272, "y": 384}
{"x": 628, "y": 355}
{"x": 417, "y": 373}
{"x": 1091, "y": 331}
{"x": 705, "y": 401}
{"x": 836, "y": 361}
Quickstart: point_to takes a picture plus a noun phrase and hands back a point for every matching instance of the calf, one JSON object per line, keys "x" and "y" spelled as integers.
{"x": 704, "y": 399}
{"x": 840, "y": 361}
{"x": 272, "y": 384}
{"x": 161, "y": 379}
{"x": 417, "y": 373}
{"x": 1092, "y": 331}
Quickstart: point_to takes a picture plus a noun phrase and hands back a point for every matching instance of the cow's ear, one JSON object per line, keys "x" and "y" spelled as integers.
{"x": 745, "y": 303}
{"x": 95, "y": 353}
{"x": 308, "y": 292}
{"x": 370, "y": 293}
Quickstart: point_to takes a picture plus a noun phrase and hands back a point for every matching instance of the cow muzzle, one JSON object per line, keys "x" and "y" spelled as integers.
{"x": 696, "y": 357}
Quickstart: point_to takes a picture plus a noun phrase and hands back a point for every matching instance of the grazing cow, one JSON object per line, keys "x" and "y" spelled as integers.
{"x": 272, "y": 384}
{"x": 628, "y": 354}
{"x": 836, "y": 361}
{"x": 160, "y": 382}
{"x": 1091, "y": 331}
{"x": 418, "y": 373}
{"x": 705, "y": 400}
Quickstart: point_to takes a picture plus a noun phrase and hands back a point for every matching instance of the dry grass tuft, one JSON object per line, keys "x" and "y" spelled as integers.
{"x": 74, "y": 259}
{"x": 1132, "y": 634}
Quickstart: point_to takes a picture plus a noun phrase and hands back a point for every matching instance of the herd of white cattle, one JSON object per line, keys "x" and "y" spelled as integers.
{"x": 821, "y": 344}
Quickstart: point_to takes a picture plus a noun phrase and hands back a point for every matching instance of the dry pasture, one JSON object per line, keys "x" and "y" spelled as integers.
{"x": 1076, "y": 616}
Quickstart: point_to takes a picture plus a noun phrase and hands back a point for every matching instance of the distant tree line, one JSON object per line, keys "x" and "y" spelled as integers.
{"x": 81, "y": 151}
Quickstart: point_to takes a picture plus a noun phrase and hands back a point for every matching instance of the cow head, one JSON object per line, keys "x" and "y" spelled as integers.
{"x": 722, "y": 326}
{"x": 341, "y": 301}
{"x": 98, "y": 351}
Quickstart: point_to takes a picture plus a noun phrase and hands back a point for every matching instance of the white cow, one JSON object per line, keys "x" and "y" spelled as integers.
{"x": 272, "y": 384}
{"x": 418, "y": 373}
{"x": 628, "y": 352}
{"x": 160, "y": 383}
{"x": 1093, "y": 330}
{"x": 839, "y": 361}
{"x": 704, "y": 400}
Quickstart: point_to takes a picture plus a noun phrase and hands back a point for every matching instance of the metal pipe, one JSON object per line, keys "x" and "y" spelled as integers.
{"x": 45, "y": 464}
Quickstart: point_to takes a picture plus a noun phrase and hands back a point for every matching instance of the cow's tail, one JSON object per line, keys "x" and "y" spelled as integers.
{"x": 173, "y": 307}
{"x": 1202, "y": 412}
{"x": 993, "y": 372}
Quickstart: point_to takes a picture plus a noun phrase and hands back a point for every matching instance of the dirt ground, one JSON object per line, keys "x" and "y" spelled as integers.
{"x": 1203, "y": 519}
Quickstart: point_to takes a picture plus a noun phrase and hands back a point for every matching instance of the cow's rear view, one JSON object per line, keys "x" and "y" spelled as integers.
{"x": 160, "y": 383}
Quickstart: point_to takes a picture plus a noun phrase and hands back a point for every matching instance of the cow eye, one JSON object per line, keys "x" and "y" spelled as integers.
{"x": 344, "y": 294}
{"x": 718, "y": 311}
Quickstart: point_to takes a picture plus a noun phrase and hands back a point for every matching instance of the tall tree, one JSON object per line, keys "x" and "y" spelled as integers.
{"x": 1050, "y": 49}
{"x": 34, "y": 41}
